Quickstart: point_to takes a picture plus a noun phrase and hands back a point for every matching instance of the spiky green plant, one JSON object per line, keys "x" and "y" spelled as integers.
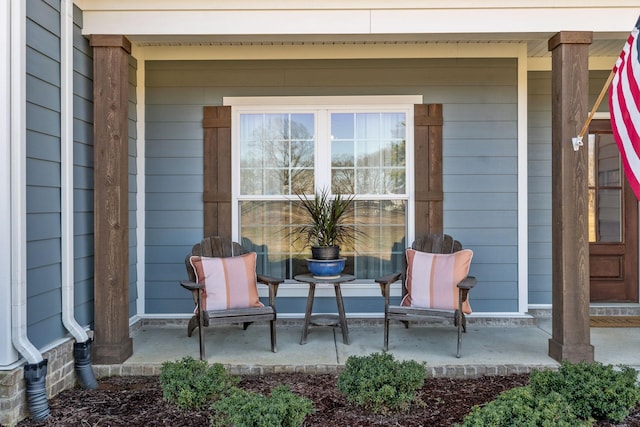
{"x": 326, "y": 215}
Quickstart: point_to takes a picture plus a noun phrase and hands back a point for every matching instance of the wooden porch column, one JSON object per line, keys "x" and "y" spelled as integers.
{"x": 112, "y": 343}
{"x": 570, "y": 313}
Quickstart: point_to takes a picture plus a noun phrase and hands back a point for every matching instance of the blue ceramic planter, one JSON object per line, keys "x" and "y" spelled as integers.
{"x": 326, "y": 268}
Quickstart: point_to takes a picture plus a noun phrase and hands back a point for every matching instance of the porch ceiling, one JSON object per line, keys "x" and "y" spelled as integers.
{"x": 604, "y": 44}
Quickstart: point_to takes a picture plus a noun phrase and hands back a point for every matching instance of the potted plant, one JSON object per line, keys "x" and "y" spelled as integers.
{"x": 326, "y": 229}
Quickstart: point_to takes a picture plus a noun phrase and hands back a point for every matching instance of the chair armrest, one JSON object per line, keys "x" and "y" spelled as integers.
{"x": 468, "y": 283}
{"x": 389, "y": 278}
{"x": 385, "y": 284}
{"x": 273, "y": 284}
{"x": 267, "y": 280}
{"x": 191, "y": 286}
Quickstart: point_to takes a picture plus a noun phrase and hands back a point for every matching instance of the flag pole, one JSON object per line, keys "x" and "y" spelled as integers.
{"x": 597, "y": 104}
{"x": 578, "y": 141}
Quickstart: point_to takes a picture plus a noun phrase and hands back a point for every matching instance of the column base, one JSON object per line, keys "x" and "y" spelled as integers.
{"x": 573, "y": 353}
{"x": 110, "y": 354}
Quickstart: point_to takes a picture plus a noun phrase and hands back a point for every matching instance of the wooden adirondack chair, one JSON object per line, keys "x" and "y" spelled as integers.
{"x": 220, "y": 247}
{"x": 432, "y": 244}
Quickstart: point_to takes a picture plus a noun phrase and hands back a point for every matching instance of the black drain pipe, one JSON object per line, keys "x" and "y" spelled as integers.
{"x": 82, "y": 356}
{"x": 35, "y": 375}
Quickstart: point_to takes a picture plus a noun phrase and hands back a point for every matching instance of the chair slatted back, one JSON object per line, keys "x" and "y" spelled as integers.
{"x": 435, "y": 243}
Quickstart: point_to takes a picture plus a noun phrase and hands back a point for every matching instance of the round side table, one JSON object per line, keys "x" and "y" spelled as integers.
{"x": 324, "y": 320}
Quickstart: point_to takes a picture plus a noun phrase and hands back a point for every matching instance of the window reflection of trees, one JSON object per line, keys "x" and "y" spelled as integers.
{"x": 369, "y": 162}
{"x": 278, "y": 157}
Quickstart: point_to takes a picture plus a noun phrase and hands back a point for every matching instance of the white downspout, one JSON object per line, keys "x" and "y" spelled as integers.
{"x": 82, "y": 346}
{"x": 35, "y": 371}
{"x": 8, "y": 354}
{"x": 66, "y": 160}
{"x": 18, "y": 144}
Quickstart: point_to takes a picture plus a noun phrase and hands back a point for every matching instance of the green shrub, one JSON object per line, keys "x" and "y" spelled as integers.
{"x": 379, "y": 383}
{"x": 521, "y": 407}
{"x": 191, "y": 384}
{"x": 246, "y": 409}
{"x": 594, "y": 390}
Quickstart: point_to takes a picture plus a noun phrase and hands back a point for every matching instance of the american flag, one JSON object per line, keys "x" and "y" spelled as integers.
{"x": 624, "y": 107}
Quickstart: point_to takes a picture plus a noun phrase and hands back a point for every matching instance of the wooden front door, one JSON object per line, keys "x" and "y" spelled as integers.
{"x": 613, "y": 221}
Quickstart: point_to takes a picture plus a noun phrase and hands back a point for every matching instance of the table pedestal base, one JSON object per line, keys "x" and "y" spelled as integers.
{"x": 324, "y": 319}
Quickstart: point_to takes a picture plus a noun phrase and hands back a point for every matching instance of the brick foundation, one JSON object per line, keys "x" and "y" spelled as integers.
{"x": 60, "y": 376}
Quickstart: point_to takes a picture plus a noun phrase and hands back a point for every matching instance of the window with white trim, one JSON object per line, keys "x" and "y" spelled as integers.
{"x": 283, "y": 149}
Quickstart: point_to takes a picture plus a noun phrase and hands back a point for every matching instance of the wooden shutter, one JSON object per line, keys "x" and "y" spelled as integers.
{"x": 217, "y": 171}
{"x": 428, "y": 168}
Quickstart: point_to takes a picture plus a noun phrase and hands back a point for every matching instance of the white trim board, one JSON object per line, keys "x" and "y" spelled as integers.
{"x": 468, "y": 19}
{"x": 333, "y": 51}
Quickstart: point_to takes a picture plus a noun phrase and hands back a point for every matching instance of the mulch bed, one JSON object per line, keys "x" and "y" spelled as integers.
{"x": 137, "y": 401}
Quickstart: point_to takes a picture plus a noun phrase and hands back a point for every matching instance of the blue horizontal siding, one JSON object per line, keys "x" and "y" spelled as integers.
{"x": 44, "y": 173}
{"x": 453, "y": 183}
{"x": 175, "y": 184}
{"x": 42, "y": 199}
{"x": 42, "y": 93}
{"x": 42, "y": 40}
{"x": 481, "y": 165}
{"x": 481, "y": 201}
{"x": 45, "y": 15}
{"x": 169, "y": 148}
{"x": 42, "y": 66}
{"x": 44, "y": 277}
{"x": 42, "y": 226}
{"x": 83, "y": 272}
{"x": 83, "y": 156}
{"x": 480, "y": 150}
{"x": 43, "y": 120}
{"x": 42, "y": 146}
{"x": 166, "y": 166}
{"x": 84, "y": 178}
{"x": 454, "y": 148}
{"x": 82, "y": 128}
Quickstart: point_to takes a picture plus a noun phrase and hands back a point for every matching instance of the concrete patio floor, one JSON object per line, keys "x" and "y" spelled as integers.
{"x": 485, "y": 349}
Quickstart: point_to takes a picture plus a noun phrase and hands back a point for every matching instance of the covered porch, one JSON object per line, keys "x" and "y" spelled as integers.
{"x": 490, "y": 347}
{"x": 113, "y": 51}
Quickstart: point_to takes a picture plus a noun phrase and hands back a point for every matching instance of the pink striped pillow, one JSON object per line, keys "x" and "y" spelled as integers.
{"x": 230, "y": 282}
{"x": 432, "y": 279}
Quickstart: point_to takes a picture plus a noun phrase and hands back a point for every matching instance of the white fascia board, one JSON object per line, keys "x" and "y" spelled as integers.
{"x": 361, "y": 51}
{"x": 342, "y": 4}
{"x": 503, "y": 20}
{"x": 178, "y": 18}
{"x": 206, "y": 22}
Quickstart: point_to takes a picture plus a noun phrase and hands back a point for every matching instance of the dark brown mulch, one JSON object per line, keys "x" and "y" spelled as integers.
{"x": 137, "y": 401}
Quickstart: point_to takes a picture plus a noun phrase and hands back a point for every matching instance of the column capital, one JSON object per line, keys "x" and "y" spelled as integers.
{"x": 110, "y": 40}
{"x": 570, "y": 37}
